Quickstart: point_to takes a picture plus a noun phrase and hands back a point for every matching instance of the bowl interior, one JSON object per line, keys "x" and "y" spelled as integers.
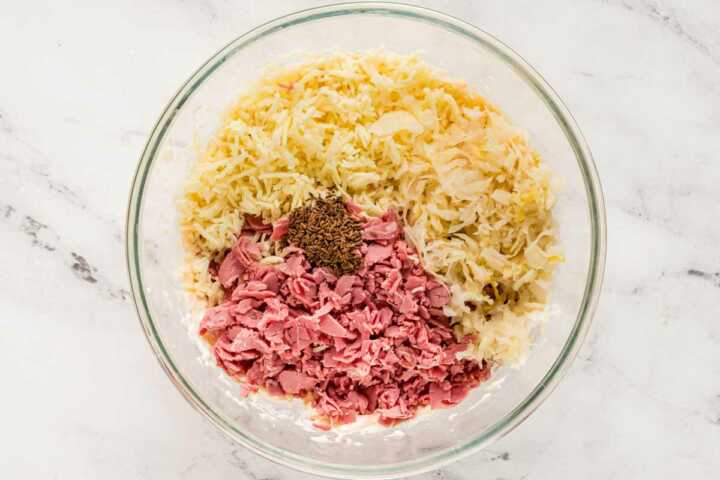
{"x": 281, "y": 430}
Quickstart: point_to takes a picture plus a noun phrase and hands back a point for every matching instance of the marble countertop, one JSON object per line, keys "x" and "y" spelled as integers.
{"x": 82, "y": 85}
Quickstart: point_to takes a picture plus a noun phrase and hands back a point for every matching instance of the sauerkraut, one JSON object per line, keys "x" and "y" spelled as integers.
{"x": 389, "y": 131}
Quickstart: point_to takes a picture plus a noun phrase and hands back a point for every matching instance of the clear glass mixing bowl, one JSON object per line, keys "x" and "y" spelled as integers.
{"x": 277, "y": 429}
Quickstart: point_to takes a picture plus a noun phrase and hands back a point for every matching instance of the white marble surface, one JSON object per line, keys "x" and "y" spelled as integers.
{"x": 82, "y": 84}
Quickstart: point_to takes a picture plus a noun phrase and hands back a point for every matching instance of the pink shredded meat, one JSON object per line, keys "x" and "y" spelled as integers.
{"x": 280, "y": 229}
{"x": 373, "y": 342}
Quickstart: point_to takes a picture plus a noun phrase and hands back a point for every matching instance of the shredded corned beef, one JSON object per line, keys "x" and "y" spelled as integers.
{"x": 374, "y": 341}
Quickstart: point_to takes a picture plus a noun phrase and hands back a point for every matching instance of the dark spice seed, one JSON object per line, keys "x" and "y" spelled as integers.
{"x": 489, "y": 291}
{"x": 327, "y": 233}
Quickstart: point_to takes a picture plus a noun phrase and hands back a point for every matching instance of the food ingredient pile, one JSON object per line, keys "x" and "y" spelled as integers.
{"x": 327, "y": 234}
{"x": 368, "y": 234}
{"x": 352, "y": 341}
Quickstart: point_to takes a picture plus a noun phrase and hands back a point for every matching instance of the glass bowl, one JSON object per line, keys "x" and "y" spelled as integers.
{"x": 280, "y": 430}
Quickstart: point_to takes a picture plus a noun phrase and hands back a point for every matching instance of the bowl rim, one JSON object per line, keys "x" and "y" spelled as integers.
{"x": 593, "y": 283}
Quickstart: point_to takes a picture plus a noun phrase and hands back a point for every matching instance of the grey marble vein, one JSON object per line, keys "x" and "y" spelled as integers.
{"x": 40, "y": 235}
{"x": 712, "y": 277}
{"x": 666, "y": 15}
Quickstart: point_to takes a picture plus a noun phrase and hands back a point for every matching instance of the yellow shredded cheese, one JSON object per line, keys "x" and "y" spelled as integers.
{"x": 389, "y": 131}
